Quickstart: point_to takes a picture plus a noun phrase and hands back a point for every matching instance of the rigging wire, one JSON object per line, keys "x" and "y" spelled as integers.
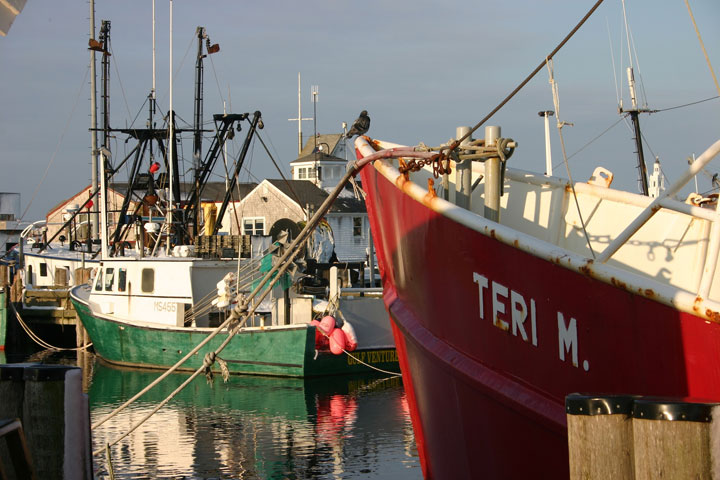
{"x": 590, "y": 142}
{"x": 702, "y": 45}
{"x": 560, "y": 124}
{"x": 528, "y": 78}
{"x": 122, "y": 89}
{"x": 612, "y": 61}
{"x": 684, "y": 105}
{"x": 217, "y": 82}
{"x": 57, "y": 147}
{"x": 277, "y": 167}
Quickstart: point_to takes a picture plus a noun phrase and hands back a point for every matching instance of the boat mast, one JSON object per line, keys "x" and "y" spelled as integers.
{"x": 634, "y": 111}
{"x": 638, "y": 138}
{"x": 153, "y": 99}
{"x": 105, "y": 150}
{"x": 197, "y": 127}
{"x": 171, "y": 141}
{"x": 93, "y": 126}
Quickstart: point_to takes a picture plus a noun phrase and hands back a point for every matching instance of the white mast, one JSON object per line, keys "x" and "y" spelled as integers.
{"x": 105, "y": 156}
{"x": 152, "y": 92}
{"x": 299, "y": 119}
{"x": 171, "y": 141}
{"x": 548, "y": 152}
{"x": 94, "y": 230}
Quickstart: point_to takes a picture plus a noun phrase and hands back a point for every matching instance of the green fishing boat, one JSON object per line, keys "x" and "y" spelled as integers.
{"x": 158, "y": 323}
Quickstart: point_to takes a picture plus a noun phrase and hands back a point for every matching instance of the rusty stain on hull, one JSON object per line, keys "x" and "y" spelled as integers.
{"x": 618, "y": 283}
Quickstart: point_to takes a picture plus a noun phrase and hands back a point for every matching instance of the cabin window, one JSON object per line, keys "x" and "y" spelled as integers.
{"x": 30, "y": 275}
{"x": 254, "y": 226}
{"x": 98, "y": 281}
{"x": 43, "y": 269}
{"x": 122, "y": 279}
{"x": 357, "y": 227}
{"x": 147, "y": 284}
{"x": 109, "y": 279}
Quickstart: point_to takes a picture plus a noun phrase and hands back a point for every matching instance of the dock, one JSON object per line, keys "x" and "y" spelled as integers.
{"x": 41, "y": 308}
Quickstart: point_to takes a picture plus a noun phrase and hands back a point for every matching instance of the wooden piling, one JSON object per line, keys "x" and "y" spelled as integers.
{"x": 54, "y": 412}
{"x": 61, "y": 277}
{"x": 600, "y": 436}
{"x": 4, "y": 276}
{"x": 676, "y": 439}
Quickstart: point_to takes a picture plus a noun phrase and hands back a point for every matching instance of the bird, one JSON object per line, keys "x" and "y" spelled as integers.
{"x": 360, "y": 126}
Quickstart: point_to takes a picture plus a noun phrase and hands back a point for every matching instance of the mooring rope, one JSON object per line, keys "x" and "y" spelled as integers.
{"x": 280, "y": 268}
{"x": 271, "y": 277}
{"x": 36, "y": 338}
{"x": 356, "y": 358}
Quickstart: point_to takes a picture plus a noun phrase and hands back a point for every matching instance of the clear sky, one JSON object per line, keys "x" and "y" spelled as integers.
{"x": 419, "y": 67}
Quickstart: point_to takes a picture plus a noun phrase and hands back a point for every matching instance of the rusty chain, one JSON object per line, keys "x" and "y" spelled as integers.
{"x": 440, "y": 165}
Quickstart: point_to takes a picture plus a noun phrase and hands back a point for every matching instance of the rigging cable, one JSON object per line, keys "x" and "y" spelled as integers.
{"x": 684, "y": 105}
{"x": 457, "y": 142}
{"x": 591, "y": 141}
{"x": 612, "y": 62}
{"x": 702, "y": 45}
{"x": 57, "y": 147}
{"x": 560, "y": 125}
{"x": 233, "y": 323}
{"x": 217, "y": 82}
{"x": 117, "y": 72}
{"x": 277, "y": 167}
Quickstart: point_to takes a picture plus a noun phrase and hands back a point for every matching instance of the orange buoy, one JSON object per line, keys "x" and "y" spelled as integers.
{"x": 338, "y": 342}
{"x": 321, "y": 341}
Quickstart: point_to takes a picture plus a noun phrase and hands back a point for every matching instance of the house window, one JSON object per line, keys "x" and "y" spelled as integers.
{"x": 147, "y": 283}
{"x": 311, "y": 173}
{"x": 302, "y": 173}
{"x": 43, "y": 269}
{"x": 253, "y": 226}
{"x": 357, "y": 227}
{"x": 122, "y": 279}
{"x": 109, "y": 278}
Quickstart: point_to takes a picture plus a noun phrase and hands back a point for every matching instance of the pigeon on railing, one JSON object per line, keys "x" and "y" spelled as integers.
{"x": 360, "y": 126}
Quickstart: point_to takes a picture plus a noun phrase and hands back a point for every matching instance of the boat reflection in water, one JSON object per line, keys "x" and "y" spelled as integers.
{"x": 255, "y": 427}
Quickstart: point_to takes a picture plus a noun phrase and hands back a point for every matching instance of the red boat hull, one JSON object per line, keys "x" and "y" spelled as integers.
{"x": 491, "y": 339}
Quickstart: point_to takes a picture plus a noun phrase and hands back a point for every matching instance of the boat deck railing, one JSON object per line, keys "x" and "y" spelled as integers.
{"x": 661, "y": 248}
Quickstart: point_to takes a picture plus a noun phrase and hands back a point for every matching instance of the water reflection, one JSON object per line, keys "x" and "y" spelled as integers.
{"x": 255, "y": 427}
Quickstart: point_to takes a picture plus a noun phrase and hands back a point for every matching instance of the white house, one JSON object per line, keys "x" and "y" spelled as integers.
{"x": 322, "y": 160}
{"x": 276, "y": 205}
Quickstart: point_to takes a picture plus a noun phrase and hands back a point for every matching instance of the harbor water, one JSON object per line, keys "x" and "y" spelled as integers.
{"x": 250, "y": 427}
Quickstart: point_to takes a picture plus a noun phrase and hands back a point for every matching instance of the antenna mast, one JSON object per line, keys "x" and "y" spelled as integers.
{"x": 634, "y": 111}
{"x": 299, "y": 118}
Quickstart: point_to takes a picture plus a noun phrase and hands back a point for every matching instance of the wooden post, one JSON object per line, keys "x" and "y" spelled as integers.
{"x": 16, "y": 290}
{"x": 600, "y": 436}
{"x": 54, "y": 412}
{"x": 676, "y": 439}
{"x": 4, "y": 276}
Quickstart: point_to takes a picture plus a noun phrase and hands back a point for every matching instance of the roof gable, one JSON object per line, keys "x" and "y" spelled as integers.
{"x": 327, "y": 143}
